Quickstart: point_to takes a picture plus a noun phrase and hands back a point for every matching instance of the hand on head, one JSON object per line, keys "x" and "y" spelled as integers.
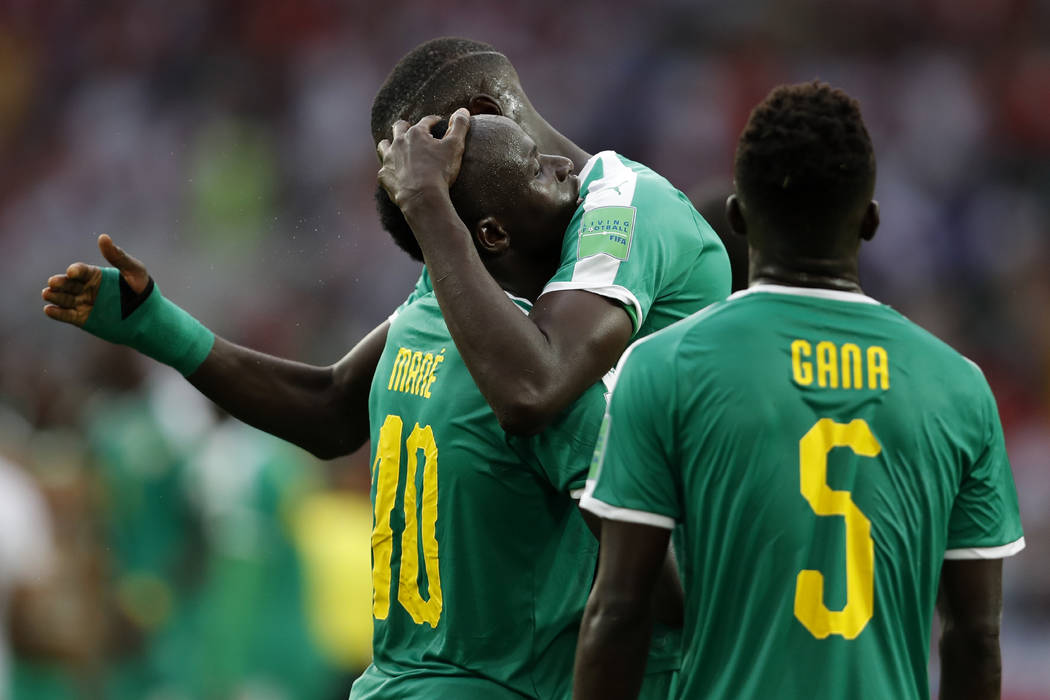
{"x": 415, "y": 161}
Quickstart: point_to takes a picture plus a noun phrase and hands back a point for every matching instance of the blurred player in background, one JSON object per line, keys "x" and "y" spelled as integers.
{"x": 827, "y": 471}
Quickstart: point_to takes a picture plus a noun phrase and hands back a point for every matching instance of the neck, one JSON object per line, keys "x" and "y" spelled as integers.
{"x": 551, "y": 141}
{"x": 838, "y": 273}
{"x": 522, "y": 278}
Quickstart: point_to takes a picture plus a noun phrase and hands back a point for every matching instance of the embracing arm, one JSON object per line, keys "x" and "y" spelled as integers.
{"x": 970, "y": 605}
{"x": 321, "y": 409}
{"x": 527, "y": 368}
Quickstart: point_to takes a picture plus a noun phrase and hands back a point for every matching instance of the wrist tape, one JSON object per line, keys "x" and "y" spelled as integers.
{"x": 148, "y": 323}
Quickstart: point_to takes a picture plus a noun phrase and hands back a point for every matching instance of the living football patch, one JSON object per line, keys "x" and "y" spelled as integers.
{"x": 606, "y": 231}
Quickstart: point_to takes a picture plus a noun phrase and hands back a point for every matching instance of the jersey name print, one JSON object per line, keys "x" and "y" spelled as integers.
{"x": 857, "y": 363}
{"x": 414, "y": 372}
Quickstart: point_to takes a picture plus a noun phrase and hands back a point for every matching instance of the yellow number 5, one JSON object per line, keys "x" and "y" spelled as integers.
{"x": 810, "y": 610}
{"x": 424, "y": 527}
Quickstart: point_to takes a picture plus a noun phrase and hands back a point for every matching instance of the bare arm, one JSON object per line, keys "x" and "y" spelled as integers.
{"x": 669, "y": 598}
{"x": 528, "y": 368}
{"x": 970, "y": 605}
{"x": 321, "y": 409}
{"x": 614, "y": 634}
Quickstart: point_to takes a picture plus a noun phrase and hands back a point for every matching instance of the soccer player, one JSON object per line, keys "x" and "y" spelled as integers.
{"x": 481, "y": 560}
{"x": 827, "y": 461}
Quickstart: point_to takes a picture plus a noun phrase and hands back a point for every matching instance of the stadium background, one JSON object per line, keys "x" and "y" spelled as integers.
{"x": 226, "y": 144}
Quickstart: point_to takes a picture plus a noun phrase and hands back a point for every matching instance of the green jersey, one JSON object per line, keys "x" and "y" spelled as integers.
{"x": 638, "y": 240}
{"x": 821, "y": 455}
{"x": 481, "y": 561}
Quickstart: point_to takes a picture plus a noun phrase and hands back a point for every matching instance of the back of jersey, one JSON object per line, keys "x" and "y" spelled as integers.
{"x": 823, "y": 455}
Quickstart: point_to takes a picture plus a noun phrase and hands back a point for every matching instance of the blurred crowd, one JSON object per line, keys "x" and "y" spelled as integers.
{"x": 150, "y": 547}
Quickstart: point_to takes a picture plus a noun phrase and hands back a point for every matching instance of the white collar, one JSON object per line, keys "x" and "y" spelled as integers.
{"x": 817, "y": 292}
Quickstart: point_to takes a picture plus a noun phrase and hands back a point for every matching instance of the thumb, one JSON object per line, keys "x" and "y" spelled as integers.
{"x": 133, "y": 271}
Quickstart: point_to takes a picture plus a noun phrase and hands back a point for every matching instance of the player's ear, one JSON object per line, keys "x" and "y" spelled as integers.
{"x": 490, "y": 236}
{"x": 870, "y": 222}
{"x": 735, "y": 216}
{"x": 485, "y": 104}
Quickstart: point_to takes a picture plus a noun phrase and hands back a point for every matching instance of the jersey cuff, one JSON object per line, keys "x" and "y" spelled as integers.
{"x": 577, "y": 493}
{"x": 627, "y": 515}
{"x": 611, "y": 291}
{"x": 1000, "y": 552}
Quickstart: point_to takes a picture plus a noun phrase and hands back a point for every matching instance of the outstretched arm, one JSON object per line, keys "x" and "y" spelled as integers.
{"x": 528, "y": 368}
{"x": 321, "y": 409}
{"x": 614, "y": 634}
{"x": 970, "y": 604}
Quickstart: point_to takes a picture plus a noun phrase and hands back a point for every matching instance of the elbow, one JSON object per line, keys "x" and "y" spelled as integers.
{"x": 523, "y": 417}
{"x": 615, "y": 618}
{"x": 326, "y": 450}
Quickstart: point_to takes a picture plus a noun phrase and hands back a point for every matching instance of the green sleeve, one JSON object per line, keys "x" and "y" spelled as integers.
{"x": 985, "y": 521}
{"x": 635, "y": 476}
{"x": 631, "y": 236}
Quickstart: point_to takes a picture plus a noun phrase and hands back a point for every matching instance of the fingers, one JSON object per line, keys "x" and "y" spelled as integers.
{"x": 427, "y": 123}
{"x": 399, "y": 128}
{"x": 64, "y": 315}
{"x": 81, "y": 272}
{"x": 63, "y": 299}
{"x": 382, "y": 149}
{"x": 64, "y": 283}
{"x": 458, "y": 125}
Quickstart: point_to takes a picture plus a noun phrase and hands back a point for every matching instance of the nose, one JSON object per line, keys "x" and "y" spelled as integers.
{"x": 562, "y": 167}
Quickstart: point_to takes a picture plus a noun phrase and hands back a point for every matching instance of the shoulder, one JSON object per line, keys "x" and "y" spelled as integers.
{"x": 610, "y": 179}
{"x": 656, "y": 352}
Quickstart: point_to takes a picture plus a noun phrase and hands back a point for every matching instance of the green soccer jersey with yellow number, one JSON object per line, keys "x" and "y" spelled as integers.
{"x": 481, "y": 560}
{"x": 821, "y": 456}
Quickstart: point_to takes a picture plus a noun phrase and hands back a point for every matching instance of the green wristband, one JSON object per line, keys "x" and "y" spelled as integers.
{"x": 157, "y": 328}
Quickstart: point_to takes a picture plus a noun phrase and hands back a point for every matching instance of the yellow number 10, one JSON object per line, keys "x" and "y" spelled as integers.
{"x": 385, "y": 472}
{"x": 810, "y": 610}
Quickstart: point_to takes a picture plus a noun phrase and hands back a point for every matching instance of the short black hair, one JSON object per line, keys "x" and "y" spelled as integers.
{"x": 410, "y": 84}
{"x": 805, "y": 160}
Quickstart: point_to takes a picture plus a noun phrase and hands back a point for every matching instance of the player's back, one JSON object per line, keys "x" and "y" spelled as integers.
{"x": 481, "y": 560}
{"x": 831, "y": 452}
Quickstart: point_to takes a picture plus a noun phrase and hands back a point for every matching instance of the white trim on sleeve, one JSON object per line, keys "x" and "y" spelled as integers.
{"x": 577, "y": 493}
{"x": 627, "y": 515}
{"x": 1000, "y": 552}
{"x": 611, "y": 291}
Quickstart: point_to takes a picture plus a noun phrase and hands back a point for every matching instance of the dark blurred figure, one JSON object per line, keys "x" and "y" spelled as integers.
{"x": 709, "y": 197}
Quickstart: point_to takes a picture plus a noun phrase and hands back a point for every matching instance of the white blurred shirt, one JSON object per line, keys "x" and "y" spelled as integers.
{"x": 26, "y": 547}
